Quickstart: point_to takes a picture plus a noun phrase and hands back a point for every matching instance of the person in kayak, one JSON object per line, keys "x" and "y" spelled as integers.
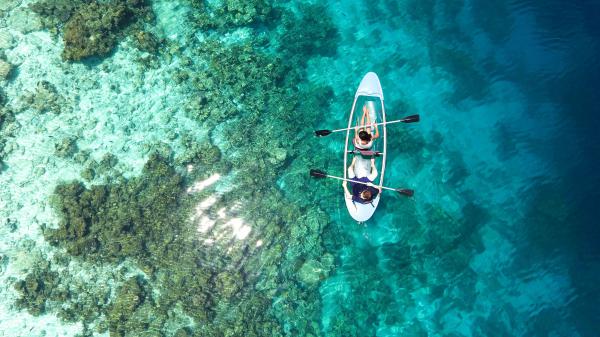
{"x": 361, "y": 193}
{"x": 363, "y": 139}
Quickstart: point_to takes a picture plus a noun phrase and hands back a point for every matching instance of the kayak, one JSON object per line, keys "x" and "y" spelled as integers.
{"x": 369, "y": 96}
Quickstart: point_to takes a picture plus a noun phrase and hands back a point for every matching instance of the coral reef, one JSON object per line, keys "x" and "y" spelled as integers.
{"x": 146, "y": 41}
{"x": 45, "y": 98}
{"x": 313, "y": 271}
{"x": 5, "y": 69}
{"x": 54, "y": 13}
{"x": 7, "y": 5}
{"x": 311, "y": 34}
{"x": 36, "y": 289}
{"x": 6, "y": 40}
{"x": 225, "y": 287}
{"x": 230, "y": 13}
{"x": 22, "y": 20}
{"x": 141, "y": 210}
{"x": 142, "y": 219}
{"x": 130, "y": 296}
{"x": 93, "y": 28}
{"x": 203, "y": 153}
{"x": 8, "y": 127}
{"x": 66, "y": 147}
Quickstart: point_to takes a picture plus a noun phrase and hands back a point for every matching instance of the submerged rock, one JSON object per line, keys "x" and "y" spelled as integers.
{"x": 312, "y": 271}
{"x": 129, "y": 297}
{"x": 23, "y": 20}
{"x": 6, "y": 40}
{"x": 54, "y": 13}
{"x": 66, "y": 147}
{"x": 5, "y": 69}
{"x": 45, "y": 98}
{"x": 128, "y": 219}
{"x": 91, "y": 30}
{"x": 37, "y": 287}
{"x": 146, "y": 41}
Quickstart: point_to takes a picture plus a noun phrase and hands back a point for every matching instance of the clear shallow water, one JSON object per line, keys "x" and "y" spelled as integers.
{"x": 500, "y": 238}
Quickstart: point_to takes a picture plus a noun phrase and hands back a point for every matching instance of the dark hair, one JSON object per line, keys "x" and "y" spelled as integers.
{"x": 364, "y": 135}
{"x": 368, "y": 196}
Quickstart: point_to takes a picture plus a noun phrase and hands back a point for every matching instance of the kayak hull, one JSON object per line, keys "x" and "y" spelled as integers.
{"x": 362, "y": 212}
{"x": 369, "y": 96}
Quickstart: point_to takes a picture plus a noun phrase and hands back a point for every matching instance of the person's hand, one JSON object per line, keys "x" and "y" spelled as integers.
{"x": 346, "y": 192}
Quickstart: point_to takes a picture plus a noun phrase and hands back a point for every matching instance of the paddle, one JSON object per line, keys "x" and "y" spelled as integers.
{"x": 407, "y": 119}
{"x": 320, "y": 174}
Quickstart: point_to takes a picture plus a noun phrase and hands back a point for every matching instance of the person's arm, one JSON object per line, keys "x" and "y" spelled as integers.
{"x": 376, "y": 135}
{"x": 364, "y": 115}
{"x": 347, "y": 193}
{"x": 360, "y": 126}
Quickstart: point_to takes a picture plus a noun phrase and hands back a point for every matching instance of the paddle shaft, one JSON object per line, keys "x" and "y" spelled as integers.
{"x": 359, "y": 182}
{"x": 358, "y": 127}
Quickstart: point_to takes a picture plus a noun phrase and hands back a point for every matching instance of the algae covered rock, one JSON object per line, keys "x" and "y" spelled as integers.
{"x": 54, "y": 13}
{"x": 129, "y": 297}
{"x": 23, "y": 20}
{"x": 311, "y": 34}
{"x": 8, "y": 127}
{"x": 231, "y": 13}
{"x": 88, "y": 174}
{"x": 132, "y": 218}
{"x": 35, "y": 289}
{"x": 91, "y": 30}
{"x": 66, "y": 147}
{"x": 5, "y": 69}
{"x": 228, "y": 283}
{"x": 146, "y": 41}
{"x": 6, "y": 40}
{"x": 200, "y": 153}
{"x": 45, "y": 98}
{"x": 313, "y": 271}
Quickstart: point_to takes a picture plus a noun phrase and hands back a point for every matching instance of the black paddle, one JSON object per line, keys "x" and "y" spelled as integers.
{"x": 320, "y": 174}
{"x": 407, "y": 119}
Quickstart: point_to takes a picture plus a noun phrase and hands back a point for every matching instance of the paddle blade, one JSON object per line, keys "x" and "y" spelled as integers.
{"x": 405, "y": 191}
{"x": 317, "y": 173}
{"x": 411, "y": 119}
{"x": 322, "y": 133}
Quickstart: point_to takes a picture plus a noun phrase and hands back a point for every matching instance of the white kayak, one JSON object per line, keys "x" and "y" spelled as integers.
{"x": 369, "y": 95}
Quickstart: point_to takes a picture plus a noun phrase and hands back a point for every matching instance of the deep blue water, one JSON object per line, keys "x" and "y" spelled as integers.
{"x": 505, "y": 165}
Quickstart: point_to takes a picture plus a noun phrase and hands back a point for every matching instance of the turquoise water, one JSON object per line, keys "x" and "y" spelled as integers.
{"x": 155, "y": 169}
